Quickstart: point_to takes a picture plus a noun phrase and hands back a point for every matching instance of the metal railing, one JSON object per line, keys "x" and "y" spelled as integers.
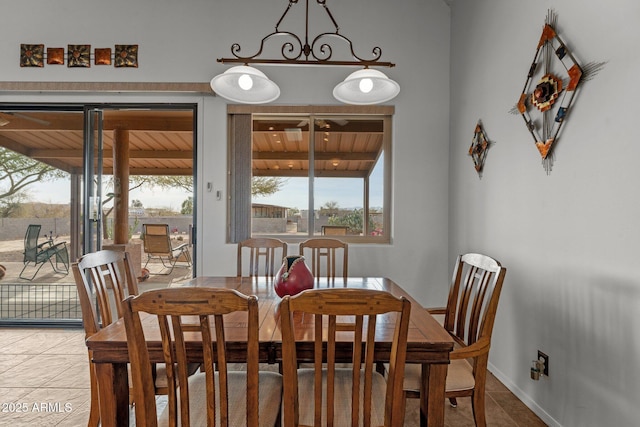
{"x": 40, "y": 304}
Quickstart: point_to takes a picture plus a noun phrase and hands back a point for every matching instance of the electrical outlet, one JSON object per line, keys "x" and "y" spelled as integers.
{"x": 544, "y": 359}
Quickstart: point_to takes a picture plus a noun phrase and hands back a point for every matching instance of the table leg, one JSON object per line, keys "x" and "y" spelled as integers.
{"x": 113, "y": 392}
{"x": 434, "y": 377}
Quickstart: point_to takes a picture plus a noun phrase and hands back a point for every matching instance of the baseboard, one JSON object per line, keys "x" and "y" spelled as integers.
{"x": 525, "y": 398}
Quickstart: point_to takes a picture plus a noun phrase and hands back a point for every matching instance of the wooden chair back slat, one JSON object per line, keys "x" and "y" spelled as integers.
{"x": 96, "y": 274}
{"x": 473, "y": 298}
{"x": 102, "y": 274}
{"x": 181, "y": 312}
{"x": 263, "y": 256}
{"x": 325, "y": 251}
{"x": 345, "y": 315}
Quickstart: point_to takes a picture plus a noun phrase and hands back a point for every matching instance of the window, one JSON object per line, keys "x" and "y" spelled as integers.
{"x": 298, "y": 172}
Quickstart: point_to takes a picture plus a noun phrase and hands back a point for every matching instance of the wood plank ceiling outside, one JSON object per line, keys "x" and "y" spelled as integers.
{"x": 161, "y": 142}
{"x": 343, "y": 148}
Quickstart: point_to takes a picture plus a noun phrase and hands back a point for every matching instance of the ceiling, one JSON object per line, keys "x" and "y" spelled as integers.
{"x": 343, "y": 148}
{"x": 161, "y": 142}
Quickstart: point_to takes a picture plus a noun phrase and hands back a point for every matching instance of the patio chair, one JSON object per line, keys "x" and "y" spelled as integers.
{"x": 40, "y": 254}
{"x": 157, "y": 244}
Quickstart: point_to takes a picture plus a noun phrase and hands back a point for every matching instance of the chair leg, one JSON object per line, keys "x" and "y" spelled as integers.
{"x": 55, "y": 267}
{"x": 62, "y": 257}
{"x": 164, "y": 265}
{"x": 477, "y": 405}
{"x": 34, "y": 274}
{"x": 94, "y": 409}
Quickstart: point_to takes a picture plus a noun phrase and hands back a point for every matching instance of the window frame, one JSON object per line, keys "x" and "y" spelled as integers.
{"x": 240, "y": 121}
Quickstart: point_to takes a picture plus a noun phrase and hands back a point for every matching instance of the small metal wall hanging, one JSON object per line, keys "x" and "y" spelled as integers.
{"x": 550, "y": 88}
{"x": 479, "y": 147}
{"x": 126, "y": 56}
{"x": 32, "y": 55}
{"x": 79, "y": 56}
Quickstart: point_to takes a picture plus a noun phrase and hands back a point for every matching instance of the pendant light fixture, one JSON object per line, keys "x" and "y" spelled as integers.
{"x": 246, "y": 84}
{"x": 365, "y": 87}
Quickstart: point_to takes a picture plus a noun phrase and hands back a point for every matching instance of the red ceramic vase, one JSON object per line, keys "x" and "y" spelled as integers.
{"x": 293, "y": 276}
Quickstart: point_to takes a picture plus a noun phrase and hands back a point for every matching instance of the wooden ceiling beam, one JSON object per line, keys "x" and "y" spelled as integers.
{"x": 134, "y": 154}
{"x": 130, "y": 120}
{"x": 13, "y": 145}
{"x": 160, "y": 124}
{"x": 322, "y": 155}
{"x": 286, "y": 173}
{"x": 21, "y": 149}
{"x": 154, "y": 171}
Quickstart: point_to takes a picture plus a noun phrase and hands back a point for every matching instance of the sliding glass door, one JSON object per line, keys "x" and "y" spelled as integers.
{"x": 90, "y": 175}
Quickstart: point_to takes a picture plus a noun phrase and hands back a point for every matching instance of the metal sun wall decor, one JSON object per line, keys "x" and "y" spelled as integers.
{"x": 479, "y": 147}
{"x": 550, "y": 89}
{"x": 78, "y": 55}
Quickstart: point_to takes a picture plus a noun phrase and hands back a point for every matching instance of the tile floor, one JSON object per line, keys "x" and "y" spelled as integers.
{"x": 44, "y": 381}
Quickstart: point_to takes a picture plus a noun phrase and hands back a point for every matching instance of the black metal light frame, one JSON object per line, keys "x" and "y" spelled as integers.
{"x": 297, "y": 52}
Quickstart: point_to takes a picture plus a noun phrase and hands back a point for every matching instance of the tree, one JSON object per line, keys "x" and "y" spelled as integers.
{"x": 187, "y": 206}
{"x": 265, "y": 185}
{"x": 12, "y": 206}
{"x": 331, "y": 208}
{"x": 17, "y": 172}
{"x": 354, "y": 220}
{"x": 170, "y": 181}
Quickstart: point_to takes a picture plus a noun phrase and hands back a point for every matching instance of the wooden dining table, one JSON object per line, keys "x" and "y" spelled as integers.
{"x": 428, "y": 343}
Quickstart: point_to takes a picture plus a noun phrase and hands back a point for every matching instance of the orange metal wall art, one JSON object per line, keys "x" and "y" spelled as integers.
{"x": 479, "y": 147}
{"x": 550, "y": 88}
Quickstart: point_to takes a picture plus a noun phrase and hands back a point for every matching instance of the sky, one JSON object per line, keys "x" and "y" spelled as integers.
{"x": 346, "y": 192}
{"x": 59, "y": 192}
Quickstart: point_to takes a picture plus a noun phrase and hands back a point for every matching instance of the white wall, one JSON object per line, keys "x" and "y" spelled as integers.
{"x": 179, "y": 42}
{"x": 569, "y": 239}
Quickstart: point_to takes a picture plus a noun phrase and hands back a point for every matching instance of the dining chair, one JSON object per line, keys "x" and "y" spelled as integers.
{"x": 268, "y": 250}
{"x": 323, "y": 395}
{"x": 468, "y": 317}
{"x": 103, "y": 280}
{"x": 157, "y": 244}
{"x": 324, "y": 251}
{"x": 216, "y": 396}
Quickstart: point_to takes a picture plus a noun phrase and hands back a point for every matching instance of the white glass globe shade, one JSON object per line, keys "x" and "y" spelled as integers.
{"x": 353, "y": 90}
{"x": 246, "y": 85}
